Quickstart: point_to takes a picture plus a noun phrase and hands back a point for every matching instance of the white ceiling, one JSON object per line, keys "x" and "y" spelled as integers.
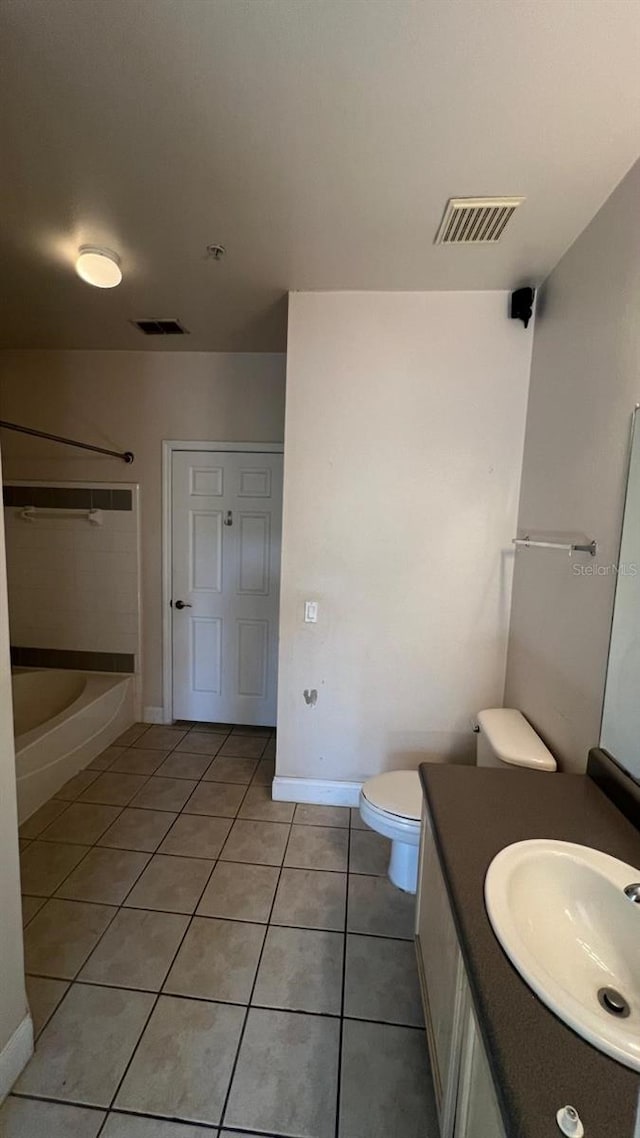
{"x": 317, "y": 139}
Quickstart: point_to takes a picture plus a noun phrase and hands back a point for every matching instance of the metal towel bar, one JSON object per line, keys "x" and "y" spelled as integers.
{"x": 570, "y": 547}
{"x": 32, "y": 513}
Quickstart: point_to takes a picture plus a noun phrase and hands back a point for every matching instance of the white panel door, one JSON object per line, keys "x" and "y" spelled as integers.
{"x": 226, "y": 536}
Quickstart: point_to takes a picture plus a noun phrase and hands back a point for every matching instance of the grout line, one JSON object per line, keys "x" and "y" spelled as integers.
{"x": 270, "y": 923}
{"x": 253, "y": 987}
{"x": 344, "y": 982}
{"x": 216, "y": 917}
{"x": 159, "y": 993}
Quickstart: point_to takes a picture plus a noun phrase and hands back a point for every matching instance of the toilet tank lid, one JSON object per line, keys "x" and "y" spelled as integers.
{"x": 513, "y": 739}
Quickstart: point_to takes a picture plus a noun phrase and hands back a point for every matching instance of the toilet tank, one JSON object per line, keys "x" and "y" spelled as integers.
{"x": 505, "y": 739}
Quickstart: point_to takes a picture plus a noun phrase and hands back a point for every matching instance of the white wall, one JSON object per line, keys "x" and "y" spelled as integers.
{"x": 621, "y": 711}
{"x": 132, "y": 401}
{"x": 585, "y": 381}
{"x": 403, "y": 447}
{"x": 16, "y": 1032}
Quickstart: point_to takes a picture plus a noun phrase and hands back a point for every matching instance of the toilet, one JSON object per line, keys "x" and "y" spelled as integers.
{"x": 391, "y": 803}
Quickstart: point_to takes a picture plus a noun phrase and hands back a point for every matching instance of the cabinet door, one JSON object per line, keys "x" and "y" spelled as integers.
{"x": 442, "y": 977}
{"x": 477, "y": 1112}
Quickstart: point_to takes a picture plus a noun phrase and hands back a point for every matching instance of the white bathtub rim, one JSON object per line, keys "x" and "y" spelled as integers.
{"x": 89, "y": 695}
{"x": 68, "y": 721}
{"x": 36, "y": 787}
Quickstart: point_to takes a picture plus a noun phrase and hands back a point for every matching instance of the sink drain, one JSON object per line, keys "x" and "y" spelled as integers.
{"x": 613, "y": 1003}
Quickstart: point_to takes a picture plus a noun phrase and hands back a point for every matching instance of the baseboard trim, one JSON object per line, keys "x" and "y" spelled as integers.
{"x": 154, "y": 715}
{"x": 15, "y": 1055}
{"x": 316, "y": 791}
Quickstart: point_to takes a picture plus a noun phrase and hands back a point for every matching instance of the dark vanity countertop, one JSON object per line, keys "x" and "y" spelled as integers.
{"x": 538, "y": 1064}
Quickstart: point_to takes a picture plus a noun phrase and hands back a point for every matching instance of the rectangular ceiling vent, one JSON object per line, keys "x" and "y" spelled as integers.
{"x": 160, "y": 327}
{"x": 476, "y": 221}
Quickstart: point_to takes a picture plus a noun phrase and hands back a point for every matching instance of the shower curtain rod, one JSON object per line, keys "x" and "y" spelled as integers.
{"x": 126, "y": 456}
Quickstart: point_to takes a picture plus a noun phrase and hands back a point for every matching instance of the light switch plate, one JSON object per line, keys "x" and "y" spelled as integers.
{"x": 310, "y": 612}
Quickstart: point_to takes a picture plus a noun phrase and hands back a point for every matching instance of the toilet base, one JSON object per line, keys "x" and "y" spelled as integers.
{"x": 403, "y": 866}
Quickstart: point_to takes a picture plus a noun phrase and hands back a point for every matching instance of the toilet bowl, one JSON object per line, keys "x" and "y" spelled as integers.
{"x": 391, "y": 803}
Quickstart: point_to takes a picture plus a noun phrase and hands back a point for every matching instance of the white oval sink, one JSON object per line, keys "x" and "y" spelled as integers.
{"x": 561, "y": 914}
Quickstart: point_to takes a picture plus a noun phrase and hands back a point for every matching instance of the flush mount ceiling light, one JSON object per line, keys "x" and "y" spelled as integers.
{"x": 99, "y": 267}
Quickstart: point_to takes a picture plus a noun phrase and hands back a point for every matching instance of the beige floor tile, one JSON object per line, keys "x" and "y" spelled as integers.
{"x": 216, "y": 728}
{"x": 392, "y": 1057}
{"x": 301, "y": 970}
{"x": 217, "y": 798}
{"x": 113, "y": 789}
{"x": 136, "y": 829}
{"x": 265, "y": 773}
{"x": 248, "y": 729}
{"x": 128, "y": 1126}
{"x": 105, "y": 876}
{"x": 164, "y": 793}
{"x": 196, "y": 835}
{"x": 240, "y": 771}
{"x": 311, "y": 898}
{"x": 356, "y": 820}
{"x": 307, "y": 815}
{"x": 44, "y": 995}
{"x": 31, "y": 906}
{"x": 297, "y": 1057}
{"x": 137, "y": 950}
{"x": 204, "y": 743}
{"x": 317, "y": 847}
{"x": 240, "y": 892}
{"x": 235, "y": 1134}
{"x": 131, "y": 735}
{"x": 82, "y": 822}
{"x": 171, "y": 884}
{"x": 45, "y": 865}
{"x": 59, "y": 939}
{"x": 164, "y": 738}
{"x": 179, "y": 764}
{"x": 242, "y": 747}
{"x": 139, "y": 760}
{"x": 377, "y": 907}
{"x": 104, "y": 760}
{"x": 369, "y": 853}
{"x": 381, "y": 981}
{"x": 27, "y": 1118}
{"x": 217, "y": 961}
{"x": 261, "y": 843}
{"x": 258, "y": 804}
{"x": 42, "y": 818}
{"x": 184, "y": 1062}
{"x": 74, "y": 787}
{"x": 84, "y": 1049}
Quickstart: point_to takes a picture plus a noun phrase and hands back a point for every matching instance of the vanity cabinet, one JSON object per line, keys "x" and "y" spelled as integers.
{"x": 463, "y": 1083}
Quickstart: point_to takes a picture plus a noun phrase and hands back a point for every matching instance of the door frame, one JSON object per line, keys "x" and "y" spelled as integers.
{"x": 169, "y": 446}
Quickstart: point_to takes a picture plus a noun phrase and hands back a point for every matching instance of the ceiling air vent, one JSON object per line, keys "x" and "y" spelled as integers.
{"x": 476, "y": 221}
{"x": 160, "y": 327}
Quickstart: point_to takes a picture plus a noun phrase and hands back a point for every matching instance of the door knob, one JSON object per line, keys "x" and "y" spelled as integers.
{"x": 183, "y": 605}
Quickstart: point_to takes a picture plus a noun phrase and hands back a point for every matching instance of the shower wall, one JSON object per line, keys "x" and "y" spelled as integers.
{"x": 74, "y": 585}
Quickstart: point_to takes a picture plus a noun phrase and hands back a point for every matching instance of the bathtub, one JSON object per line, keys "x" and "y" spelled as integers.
{"x": 62, "y": 720}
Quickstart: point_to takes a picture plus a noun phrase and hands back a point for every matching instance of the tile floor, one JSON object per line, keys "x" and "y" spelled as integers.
{"x": 202, "y": 960}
